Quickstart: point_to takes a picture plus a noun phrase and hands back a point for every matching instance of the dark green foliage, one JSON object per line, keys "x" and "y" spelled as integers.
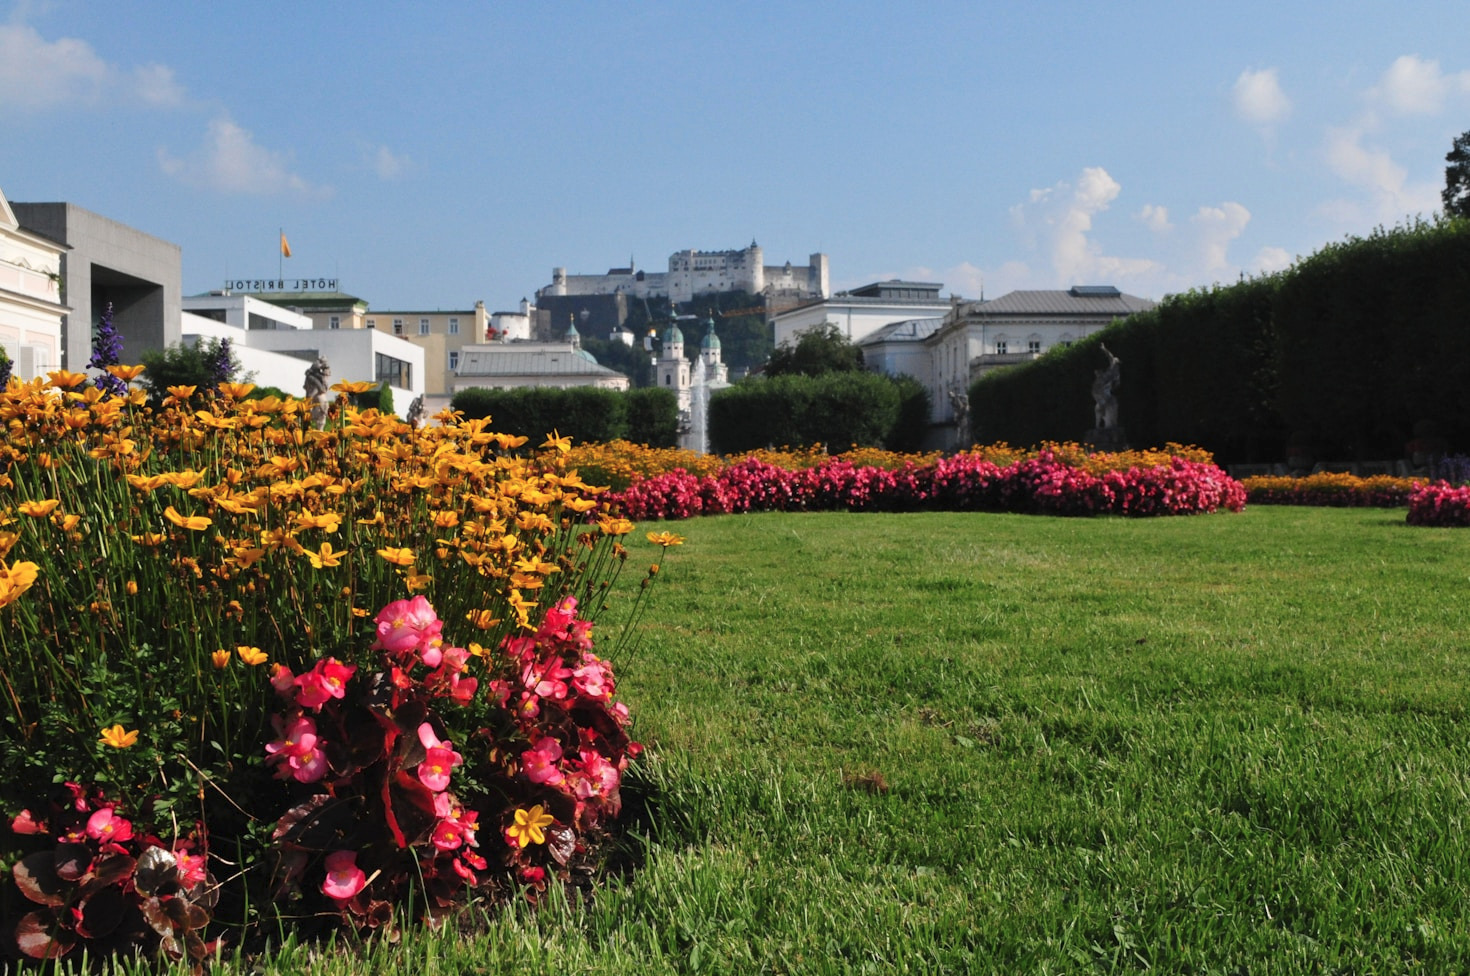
{"x": 186, "y": 365}
{"x": 261, "y": 392}
{"x": 816, "y": 351}
{"x": 745, "y": 339}
{"x": 1456, "y": 194}
{"x": 632, "y": 361}
{"x": 1351, "y": 348}
{"x": 583, "y": 413}
{"x": 914, "y": 406}
{"x": 380, "y": 399}
{"x": 652, "y": 417}
{"x": 835, "y": 409}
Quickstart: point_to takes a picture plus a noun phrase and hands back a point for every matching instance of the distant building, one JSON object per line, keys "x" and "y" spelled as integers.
{"x": 686, "y": 378}
{"x": 692, "y": 273}
{"x": 105, "y": 262}
{"x": 277, "y": 345}
{"x": 947, "y": 354}
{"x": 862, "y": 311}
{"x": 443, "y": 336}
{"x": 32, "y": 313}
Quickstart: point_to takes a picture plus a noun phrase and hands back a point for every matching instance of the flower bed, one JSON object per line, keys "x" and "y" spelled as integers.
{"x": 1042, "y": 484}
{"x": 1440, "y": 504}
{"x": 1335, "y": 490}
{"x": 259, "y": 674}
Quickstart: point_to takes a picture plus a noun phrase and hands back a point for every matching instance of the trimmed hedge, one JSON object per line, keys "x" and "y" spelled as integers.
{"x": 835, "y": 409}
{"x": 1346, "y": 351}
{"x": 585, "y": 414}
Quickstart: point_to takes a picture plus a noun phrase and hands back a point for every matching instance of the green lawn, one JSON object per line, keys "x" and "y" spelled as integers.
{"x": 987, "y": 743}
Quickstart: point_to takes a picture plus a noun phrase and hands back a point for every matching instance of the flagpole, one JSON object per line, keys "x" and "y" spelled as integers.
{"x": 280, "y": 258}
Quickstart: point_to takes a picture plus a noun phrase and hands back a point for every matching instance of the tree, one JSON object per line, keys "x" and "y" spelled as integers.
{"x": 1456, "y": 195}
{"x": 205, "y": 365}
{"x": 817, "y": 351}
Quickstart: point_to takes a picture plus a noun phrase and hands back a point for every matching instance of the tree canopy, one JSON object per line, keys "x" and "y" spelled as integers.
{"x": 1456, "y": 195}
{"x": 816, "y": 351}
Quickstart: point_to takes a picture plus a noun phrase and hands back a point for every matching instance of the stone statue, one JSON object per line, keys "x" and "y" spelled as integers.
{"x": 416, "y": 411}
{"x": 960, "y": 404}
{"x": 316, "y": 390}
{"x": 1105, "y": 383}
{"x": 316, "y": 379}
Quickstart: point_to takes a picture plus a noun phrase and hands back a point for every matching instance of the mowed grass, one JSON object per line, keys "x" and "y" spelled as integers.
{"x": 972, "y": 743}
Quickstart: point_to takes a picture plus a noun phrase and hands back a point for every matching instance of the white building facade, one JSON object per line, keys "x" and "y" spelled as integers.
{"x": 31, "y": 308}
{"x": 862, "y": 311}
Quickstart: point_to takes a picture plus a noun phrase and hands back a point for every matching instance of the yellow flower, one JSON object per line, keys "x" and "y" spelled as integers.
{"x": 560, "y": 443}
{"x": 125, "y": 373}
{"x": 197, "y": 523}
{"x": 132, "y": 587}
{"x": 417, "y": 581}
{"x": 482, "y": 619}
{"x": 355, "y": 386}
{"x": 398, "y": 557}
{"x": 182, "y": 392}
{"x": 665, "y": 539}
{"x": 329, "y": 521}
{"x": 221, "y": 658}
{"x": 39, "y": 509}
{"x": 325, "y": 557}
{"x": 64, "y": 379}
{"x": 119, "y": 738}
{"x": 252, "y": 655}
{"x": 530, "y": 826}
{"x": 15, "y": 580}
{"x": 236, "y": 391}
{"x": 614, "y": 526}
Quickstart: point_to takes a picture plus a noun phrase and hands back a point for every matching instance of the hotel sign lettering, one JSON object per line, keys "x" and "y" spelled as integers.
{"x": 281, "y": 284}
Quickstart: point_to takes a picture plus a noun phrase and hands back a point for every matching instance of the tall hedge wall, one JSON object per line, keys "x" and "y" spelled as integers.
{"x": 586, "y": 414}
{"x": 1347, "y": 350}
{"x": 835, "y": 409}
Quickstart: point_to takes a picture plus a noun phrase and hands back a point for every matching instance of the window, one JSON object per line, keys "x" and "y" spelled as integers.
{"x": 454, "y": 359}
{"x": 394, "y": 372}
{"x": 335, "y": 322}
{"x": 372, "y": 323}
{"x": 1033, "y": 345}
{"x": 1000, "y": 347}
{"x": 398, "y": 326}
{"x": 454, "y": 326}
{"x": 423, "y": 326}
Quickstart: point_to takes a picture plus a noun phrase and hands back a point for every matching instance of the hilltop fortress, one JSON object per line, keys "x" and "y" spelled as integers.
{"x": 693, "y": 273}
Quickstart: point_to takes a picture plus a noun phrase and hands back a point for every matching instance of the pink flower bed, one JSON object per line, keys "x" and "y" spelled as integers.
{"x": 1440, "y": 504}
{"x": 1042, "y": 485}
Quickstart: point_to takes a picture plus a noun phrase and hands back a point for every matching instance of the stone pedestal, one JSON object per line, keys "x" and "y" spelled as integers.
{"x": 1111, "y": 439}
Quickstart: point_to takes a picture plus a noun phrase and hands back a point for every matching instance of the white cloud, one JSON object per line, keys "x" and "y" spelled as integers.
{"x": 1059, "y": 220}
{"x": 1269, "y": 260}
{"x": 1413, "y": 86}
{"x": 1217, "y": 227}
{"x": 37, "y": 74}
{"x": 1258, "y": 98}
{"x": 1390, "y": 195}
{"x": 231, "y": 161}
{"x": 385, "y": 163}
{"x": 1155, "y": 218}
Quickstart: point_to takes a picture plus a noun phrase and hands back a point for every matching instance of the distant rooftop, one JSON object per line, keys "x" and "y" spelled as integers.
{"x": 909, "y": 330}
{"x": 899, "y": 289}
{"x": 1078, "y": 300}
{"x": 530, "y": 359}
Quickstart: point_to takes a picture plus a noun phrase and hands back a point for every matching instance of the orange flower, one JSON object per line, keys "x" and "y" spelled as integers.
{"x": 195, "y": 523}
{"x": 558, "y": 442}
{"x": 15, "y": 580}
{"x": 356, "y": 386}
{"x": 236, "y": 391}
{"x": 221, "y": 658}
{"x": 65, "y": 379}
{"x": 39, "y": 509}
{"x": 126, "y": 373}
{"x": 251, "y": 655}
{"x": 325, "y": 557}
{"x": 665, "y": 539}
{"x": 118, "y": 737}
{"x": 398, "y": 557}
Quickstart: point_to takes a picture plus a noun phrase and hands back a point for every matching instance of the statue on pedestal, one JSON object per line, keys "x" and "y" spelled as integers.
{"x": 316, "y": 389}
{"x": 1105, "y": 383}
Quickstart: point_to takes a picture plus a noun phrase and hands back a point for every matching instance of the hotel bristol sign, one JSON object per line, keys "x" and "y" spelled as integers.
{"x": 281, "y": 284}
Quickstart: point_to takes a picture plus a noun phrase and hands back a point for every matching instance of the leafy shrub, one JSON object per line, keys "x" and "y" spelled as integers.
{"x": 582, "y": 413}
{"x": 834, "y": 408}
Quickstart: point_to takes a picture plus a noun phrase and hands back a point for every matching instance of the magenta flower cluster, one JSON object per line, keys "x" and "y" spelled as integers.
{"x": 1043, "y": 485}
{"x": 1440, "y": 503}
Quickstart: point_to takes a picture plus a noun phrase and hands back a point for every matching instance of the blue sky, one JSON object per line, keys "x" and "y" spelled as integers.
{"x": 435, "y": 154}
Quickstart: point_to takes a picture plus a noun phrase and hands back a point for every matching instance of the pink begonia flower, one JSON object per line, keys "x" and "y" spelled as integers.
{"x": 297, "y": 752}
{"x": 598, "y": 777}
{"x": 26, "y": 823}
{"x": 558, "y": 618}
{"x": 462, "y": 689}
{"x": 547, "y": 680}
{"x": 282, "y": 680}
{"x": 324, "y": 682}
{"x": 529, "y": 706}
{"x": 523, "y": 649}
{"x": 455, "y": 658}
{"x": 593, "y": 679}
{"x": 191, "y": 868}
{"x": 104, "y": 825}
{"x": 540, "y": 762}
{"x": 439, "y": 760}
{"x": 344, "y": 878}
{"x": 407, "y": 625}
{"x": 620, "y": 713}
{"x": 448, "y": 835}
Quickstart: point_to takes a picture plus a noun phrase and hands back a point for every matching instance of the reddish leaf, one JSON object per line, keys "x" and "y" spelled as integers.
{"x": 101, "y": 913}
{"x": 37, "y": 936}
{"x": 110, "y": 869}
{"x": 157, "y": 918}
{"x": 36, "y": 877}
{"x": 157, "y": 869}
{"x": 73, "y": 861}
{"x": 561, "y": 842}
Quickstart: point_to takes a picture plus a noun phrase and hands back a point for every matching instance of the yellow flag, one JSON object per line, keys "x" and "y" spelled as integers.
{"x": 285, "y": 248}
